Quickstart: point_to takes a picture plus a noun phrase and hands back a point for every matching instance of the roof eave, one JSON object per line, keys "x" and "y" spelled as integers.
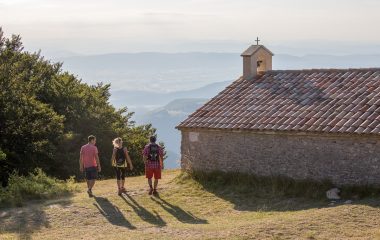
{"x": 294, "y": 132}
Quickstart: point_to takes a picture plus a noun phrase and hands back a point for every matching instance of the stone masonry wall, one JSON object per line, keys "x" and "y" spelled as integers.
{"x": 345, "y": 160}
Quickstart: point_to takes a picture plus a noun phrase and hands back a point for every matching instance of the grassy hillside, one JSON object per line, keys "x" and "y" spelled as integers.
{"x": 186, "y": 209}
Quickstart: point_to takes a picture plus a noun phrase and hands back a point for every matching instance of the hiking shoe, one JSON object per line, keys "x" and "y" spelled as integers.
{"x": 89, "y": 192}
{"x": 155, "y": 192}
{"x": 123, "y": 190}
{"x": 150, "y": 191}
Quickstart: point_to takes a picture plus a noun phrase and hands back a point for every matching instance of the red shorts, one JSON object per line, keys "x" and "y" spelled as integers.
{"x": 150, "y": 172}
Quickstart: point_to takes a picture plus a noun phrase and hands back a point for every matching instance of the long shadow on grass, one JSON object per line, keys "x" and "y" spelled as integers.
{"x": 143, "y": 213}
{"x": 25, "y": 220}
{"x": 112, "y": 213}
{"x": 181, "y": 215}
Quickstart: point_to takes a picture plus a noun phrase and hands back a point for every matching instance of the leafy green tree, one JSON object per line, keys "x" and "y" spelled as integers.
{"x": 30, "y": 129}
{"x": 46, "y": 115}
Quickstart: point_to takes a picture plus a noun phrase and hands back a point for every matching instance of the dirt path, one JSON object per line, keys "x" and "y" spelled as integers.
{"x": 81, "y": 217}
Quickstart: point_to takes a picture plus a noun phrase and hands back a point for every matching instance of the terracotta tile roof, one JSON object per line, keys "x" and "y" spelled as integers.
{"x": 318, "y": 100}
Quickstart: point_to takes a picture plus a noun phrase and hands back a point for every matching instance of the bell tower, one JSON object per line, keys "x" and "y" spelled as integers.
{"x": 257, "y": 59}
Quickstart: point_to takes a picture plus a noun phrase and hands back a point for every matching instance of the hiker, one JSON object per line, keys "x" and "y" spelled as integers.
{"x": 119, "y": 160}
{"x": 153, "y": 159}
{"x": 89, "y": 163}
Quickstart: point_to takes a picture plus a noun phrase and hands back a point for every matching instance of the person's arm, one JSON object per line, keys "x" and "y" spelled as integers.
{"x": 98, "y": 162}
{"x": 113, "y": 156}
{"x": 128, "y": 159}
{"x": 145, "y": 155}
{"x": 161, "y": 157}
{"x": 161, "y": 162}
{"x": 81, "y": 162}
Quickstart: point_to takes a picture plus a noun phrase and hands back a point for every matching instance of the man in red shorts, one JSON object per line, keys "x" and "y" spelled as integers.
{"x": 153, "y": 157}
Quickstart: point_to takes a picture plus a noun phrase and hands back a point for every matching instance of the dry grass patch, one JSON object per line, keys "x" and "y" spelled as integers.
{"x": 187, "y": 209}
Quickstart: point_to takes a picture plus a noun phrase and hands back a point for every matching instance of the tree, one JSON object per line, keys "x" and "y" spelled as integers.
{"x": 46, "y": 115}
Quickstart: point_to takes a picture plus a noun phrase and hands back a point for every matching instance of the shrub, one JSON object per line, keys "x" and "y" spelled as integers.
{"x": 36, "y": 185}
{"x": 3, "y": 156}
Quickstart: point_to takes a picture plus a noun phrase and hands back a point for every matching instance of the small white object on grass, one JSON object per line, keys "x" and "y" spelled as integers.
{"x": 332, "y": 203}
{"x": 333, "y": 194}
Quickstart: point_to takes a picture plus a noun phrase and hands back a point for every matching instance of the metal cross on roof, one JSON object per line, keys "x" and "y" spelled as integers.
{"x": 257, "y": 41}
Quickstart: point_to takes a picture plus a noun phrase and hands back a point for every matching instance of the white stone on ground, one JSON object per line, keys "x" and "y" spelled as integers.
{"x": 333, "y": 194}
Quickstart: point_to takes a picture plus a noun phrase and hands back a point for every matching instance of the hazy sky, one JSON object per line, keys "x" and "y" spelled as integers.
{"x": 101, "y": 26}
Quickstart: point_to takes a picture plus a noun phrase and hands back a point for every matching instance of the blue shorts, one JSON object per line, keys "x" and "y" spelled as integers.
{"x": 91, "y": 173}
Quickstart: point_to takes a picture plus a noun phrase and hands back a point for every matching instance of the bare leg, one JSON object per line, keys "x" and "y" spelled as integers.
{"x": 91, "y": 184}
{"x": 150, "y": 186}
{"x": 119, "y": 191}
{"x": 150, "y": 183}
{"x": 155, "y": 183}
{"x": 122, "y": 181}
{"x": 118, "y": 180}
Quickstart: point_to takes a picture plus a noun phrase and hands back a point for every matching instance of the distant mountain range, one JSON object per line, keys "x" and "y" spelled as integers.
{"x": 140, "y": 99}
{"x": 163, "y": 88}
{"x": 155, "y": 72}
{"x": 165, "y": 72}
{"x": 281, "y": 61}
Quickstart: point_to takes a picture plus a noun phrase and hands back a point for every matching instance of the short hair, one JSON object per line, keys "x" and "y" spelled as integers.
{"x": 90, "y": 138}
{"x": 152, "y": 139}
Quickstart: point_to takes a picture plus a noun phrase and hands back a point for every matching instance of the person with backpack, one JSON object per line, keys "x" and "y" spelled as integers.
{"x": 153, "y": 159}
{"x": 119, "y": 159}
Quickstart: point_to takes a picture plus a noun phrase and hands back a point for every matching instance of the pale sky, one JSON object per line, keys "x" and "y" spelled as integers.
{"x": 103, "y": 26}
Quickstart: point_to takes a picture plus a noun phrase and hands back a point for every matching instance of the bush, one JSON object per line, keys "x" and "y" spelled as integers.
{"x": 36, "y": 185}
{"x": 3, "y": 156}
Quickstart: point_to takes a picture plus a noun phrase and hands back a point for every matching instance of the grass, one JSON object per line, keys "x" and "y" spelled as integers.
{"x": 37, "y": 185}
{"x": 191, "y": 207}
{"x": 276, "y": 186}
{"x": 263, "y": 186}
